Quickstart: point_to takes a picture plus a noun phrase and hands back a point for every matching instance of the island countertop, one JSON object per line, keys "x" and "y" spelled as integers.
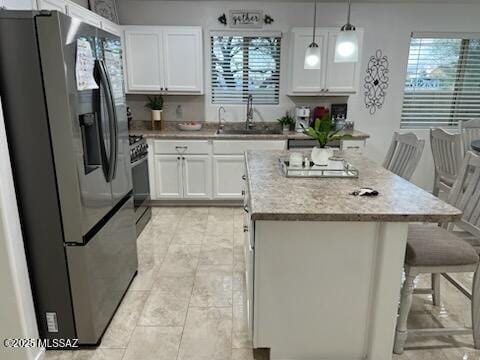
{"x": 272, "y": 196}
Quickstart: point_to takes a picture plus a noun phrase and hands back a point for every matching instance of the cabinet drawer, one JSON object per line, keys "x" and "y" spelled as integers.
{"x": 181, "y": 146}
{"x": 353, "y": 145}
{"x": 240, "y": 146}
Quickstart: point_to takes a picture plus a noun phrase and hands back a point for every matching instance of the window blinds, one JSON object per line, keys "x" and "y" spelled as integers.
{"x": 245, "y": 65}
{"x": 442, "y": 86}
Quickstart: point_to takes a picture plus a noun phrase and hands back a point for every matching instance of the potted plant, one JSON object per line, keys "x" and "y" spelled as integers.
{"x": 287, "y": 122}
{"x": 324, "y": 132}
{"x": 155, "y": 104}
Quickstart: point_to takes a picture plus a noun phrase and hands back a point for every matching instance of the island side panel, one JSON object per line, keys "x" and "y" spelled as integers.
{"x": 386, "y": 289}
{"x": 316, "y": 288}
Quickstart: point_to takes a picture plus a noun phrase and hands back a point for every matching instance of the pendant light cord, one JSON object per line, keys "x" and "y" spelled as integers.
{"x": 348, "y": 13}
{"x": 314, "y": 20}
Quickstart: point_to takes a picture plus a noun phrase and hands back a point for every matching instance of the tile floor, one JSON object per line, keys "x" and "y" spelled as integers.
{"x": 186, "y": 302}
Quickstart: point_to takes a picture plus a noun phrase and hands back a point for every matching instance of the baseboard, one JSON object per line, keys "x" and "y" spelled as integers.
{"x": 193, "y": 203}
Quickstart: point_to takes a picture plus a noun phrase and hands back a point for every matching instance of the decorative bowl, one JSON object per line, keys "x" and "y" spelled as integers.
{"x": 190, "y": 126}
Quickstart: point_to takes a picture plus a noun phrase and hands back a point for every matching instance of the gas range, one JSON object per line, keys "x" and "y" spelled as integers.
{"x": 138, "y": 148}
{"x": 140, "y": 178}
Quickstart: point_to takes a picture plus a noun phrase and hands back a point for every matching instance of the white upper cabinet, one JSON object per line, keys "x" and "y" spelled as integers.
{"x": 332, "y": 78}
{"x": 302, "y": 80}
{"x": 341, "y": 77}
{"x": 143, "y": 58}
{"x": 167, "y": 59}
{"x": 19, "y": 4}
{"x": 59, "y": 5}
{"x": 183, "y": 59}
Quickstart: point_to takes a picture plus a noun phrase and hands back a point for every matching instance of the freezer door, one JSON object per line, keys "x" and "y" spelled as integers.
{"x": 78, "y": 119}
{"x": 100, "y": 273}
{"x": 109, "y": 51}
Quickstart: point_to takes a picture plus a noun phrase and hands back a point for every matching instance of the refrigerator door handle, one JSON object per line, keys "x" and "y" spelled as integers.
{"x": 111, "y": 119}
{"x": 106, "y": 161}
{"x": 113, "y": 124}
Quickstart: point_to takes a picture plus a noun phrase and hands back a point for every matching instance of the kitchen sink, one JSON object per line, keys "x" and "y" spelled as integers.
{"x": 262, "y": 131}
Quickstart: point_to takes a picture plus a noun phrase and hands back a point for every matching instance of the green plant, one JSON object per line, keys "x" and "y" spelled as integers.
{"x": 154, "y": 102}
{"x": 286, "y": 120}
{"x": 323, "y": 131}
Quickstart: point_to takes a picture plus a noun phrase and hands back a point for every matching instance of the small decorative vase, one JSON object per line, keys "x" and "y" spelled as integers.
{"x": 286, "y": 128}
{"x": 156, "y": 116}
{"x": 320, "y": 155}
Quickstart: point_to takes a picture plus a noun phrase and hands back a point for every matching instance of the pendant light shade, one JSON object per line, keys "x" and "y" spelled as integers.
{"x": 346, "y": 46}
{"x": 312, "y": 54}
{"x": 312, "y": 57}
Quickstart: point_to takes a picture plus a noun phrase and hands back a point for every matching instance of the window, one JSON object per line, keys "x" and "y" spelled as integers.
{"x": 244, "y": 65}
{"x": 443, "y": 81}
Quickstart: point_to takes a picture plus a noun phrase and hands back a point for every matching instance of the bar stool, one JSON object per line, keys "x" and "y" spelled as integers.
{"x": 436, "y": 250}
{"x": 404, "y": 154}
{"x": 469, "y": 131}
{"x": 447, "y": 156}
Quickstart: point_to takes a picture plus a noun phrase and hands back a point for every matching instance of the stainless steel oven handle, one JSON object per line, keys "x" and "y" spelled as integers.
{"x": 138, "y": 162}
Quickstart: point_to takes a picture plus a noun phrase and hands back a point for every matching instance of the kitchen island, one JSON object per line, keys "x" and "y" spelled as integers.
{"x": 324, "y": 267}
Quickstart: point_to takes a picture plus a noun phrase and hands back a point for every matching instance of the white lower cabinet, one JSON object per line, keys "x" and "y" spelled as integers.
{"x": 227, "y": 176}
{"x": 168, "y": 177}
{"x": 201, "y": 169}
{"x": 197, "y": 183}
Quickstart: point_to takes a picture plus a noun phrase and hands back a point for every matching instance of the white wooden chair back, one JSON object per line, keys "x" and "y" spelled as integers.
{"x": 470, "y": 131}
{"x": 404, "y": 154}
{"x": 447, "y": 153}
{"x": 465, "y": 194}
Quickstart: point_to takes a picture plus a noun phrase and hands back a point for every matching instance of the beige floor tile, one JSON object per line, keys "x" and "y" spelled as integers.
{"x": 216, "y": 254}
{"x": 58, "y": 355}
{"x": 181, "y": 260}
{"x": 99, "y": 354}
{"x": 144, "y": 279}
{"x": 242, "y": 354}
{"x": 125, "y": 320}
{"x": 188, "y": 238}
{"x": 207, "y": 334}
{"x": 168, "y": 302}
{"x": 154, "y": 343}
{"x": 213, "y": 286}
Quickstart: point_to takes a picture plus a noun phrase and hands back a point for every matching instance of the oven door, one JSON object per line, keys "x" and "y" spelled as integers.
{"x": 141, "y": 185}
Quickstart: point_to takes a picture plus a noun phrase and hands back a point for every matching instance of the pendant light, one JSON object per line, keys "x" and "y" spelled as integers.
{"x": 312, "y": 55}
{"x": 346, "y": 47}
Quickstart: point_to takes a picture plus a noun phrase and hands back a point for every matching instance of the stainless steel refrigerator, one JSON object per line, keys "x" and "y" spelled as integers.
{"x": 61, "y": 85}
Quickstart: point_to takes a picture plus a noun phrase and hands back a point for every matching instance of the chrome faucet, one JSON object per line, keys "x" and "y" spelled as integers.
{"x": 249, "y": 120}
{"x": 220, "y": 124}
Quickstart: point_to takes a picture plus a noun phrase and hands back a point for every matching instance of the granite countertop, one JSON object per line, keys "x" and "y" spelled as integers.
{"x": 209, "y": 131}
{"x": 275, "y": 197}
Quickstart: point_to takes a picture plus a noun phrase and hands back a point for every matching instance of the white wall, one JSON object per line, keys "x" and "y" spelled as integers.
{"x": 387, "y": 27}
{"x": 16, "y": 307}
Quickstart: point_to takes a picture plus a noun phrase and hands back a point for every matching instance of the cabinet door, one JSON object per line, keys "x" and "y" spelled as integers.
{"x": 302, "y": 80}
{"x": 143, "y": 57}
{"x": 340, "y": 77}
{"x": 82, "y": 14}
{"x": 227, "y": 176}
{"x": 197, "y": 177}
{"x": 168, "y": 177}
{"x": 58, "y": 5}
{"x": 183, "y": 59}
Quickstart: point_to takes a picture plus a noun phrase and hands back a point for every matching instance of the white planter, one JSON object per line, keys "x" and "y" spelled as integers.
{"x": 157, "y": 115}
{"x": 320, "y": 156}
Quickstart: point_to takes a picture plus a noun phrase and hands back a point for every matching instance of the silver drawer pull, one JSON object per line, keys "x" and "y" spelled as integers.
{"x": 181, "y": 147}
{"x": 243, "y": 192}
{"x": 245, "y": 228}
{"x": 353, "y": 147}
{"x": 246, "y": 209}
{"x": 244, "y": 177}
